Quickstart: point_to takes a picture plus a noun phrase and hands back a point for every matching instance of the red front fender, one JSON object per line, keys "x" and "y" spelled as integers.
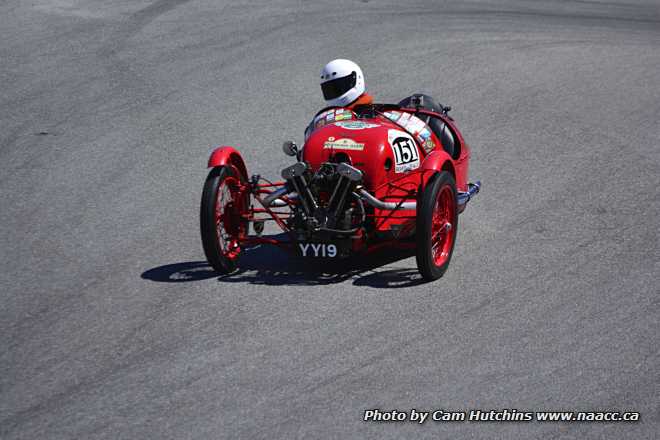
{"x": 226, "y": 155}
{"x": 438, "y": 160}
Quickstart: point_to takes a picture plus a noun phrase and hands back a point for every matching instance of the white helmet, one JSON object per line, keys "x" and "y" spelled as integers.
{"x": 342, "y": 82}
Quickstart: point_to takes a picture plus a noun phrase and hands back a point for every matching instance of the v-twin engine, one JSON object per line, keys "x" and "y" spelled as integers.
{"x": 328, "y": 201}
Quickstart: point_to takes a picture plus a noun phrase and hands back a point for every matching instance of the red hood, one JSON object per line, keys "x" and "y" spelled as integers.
{"x": 367, "y": 144}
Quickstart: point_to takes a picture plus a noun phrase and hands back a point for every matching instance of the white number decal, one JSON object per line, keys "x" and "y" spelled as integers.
{"x": 406, "y": 155}
{"x": 405, "y": 150}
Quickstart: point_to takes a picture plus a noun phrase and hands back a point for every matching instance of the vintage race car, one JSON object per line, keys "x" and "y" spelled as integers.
{"x": 379, "y": 175}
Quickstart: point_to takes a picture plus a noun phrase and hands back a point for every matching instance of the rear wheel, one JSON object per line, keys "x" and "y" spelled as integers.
{"x": 222, "y": 217}
{"x": 437, "y": 225}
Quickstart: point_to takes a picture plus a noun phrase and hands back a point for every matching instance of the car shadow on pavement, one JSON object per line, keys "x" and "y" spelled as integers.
{"x": 268, "y": 265}
{"x": 180, "y": 272}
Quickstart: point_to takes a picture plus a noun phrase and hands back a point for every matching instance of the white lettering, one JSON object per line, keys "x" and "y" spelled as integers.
{"x": 318, "y": 249}
{"x": 418, "y": 416}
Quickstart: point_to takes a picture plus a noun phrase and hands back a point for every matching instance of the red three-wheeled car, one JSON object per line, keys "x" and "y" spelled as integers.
{"x": 373, "y": 176}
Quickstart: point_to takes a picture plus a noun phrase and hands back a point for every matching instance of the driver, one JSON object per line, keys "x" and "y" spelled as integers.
{"x": 343, "y": 87}
{"x": 342, "y": 84}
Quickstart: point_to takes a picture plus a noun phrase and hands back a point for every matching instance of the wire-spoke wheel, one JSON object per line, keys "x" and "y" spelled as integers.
{"x": 222, "y": 217}
{"x": 437, "y": 224}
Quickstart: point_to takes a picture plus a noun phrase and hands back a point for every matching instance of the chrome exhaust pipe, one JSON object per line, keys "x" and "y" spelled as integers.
{"x": 464, "y": 197}
{"x": 279, "y": 203}
{"x": 388, "y": 206}
{"x": 273, "y": 198}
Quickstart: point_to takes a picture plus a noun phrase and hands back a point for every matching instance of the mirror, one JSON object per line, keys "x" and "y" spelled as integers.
{"x": 290, "y": 148}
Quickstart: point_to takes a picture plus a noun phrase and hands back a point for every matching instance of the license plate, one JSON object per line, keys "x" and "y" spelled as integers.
{"x": 318, "y": 250}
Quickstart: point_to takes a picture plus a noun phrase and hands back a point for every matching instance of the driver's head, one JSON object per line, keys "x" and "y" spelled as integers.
{"x": 342, "y": 82}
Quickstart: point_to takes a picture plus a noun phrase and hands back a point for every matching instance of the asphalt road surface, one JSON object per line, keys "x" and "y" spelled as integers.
{"x": 112, "y": 325}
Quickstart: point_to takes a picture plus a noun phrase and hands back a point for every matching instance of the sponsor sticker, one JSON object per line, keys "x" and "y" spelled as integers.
{"x": 403, "y": 120}
{"x": 329, "y": 116}
{"x": 404, "y": 150}
{"x": 393, "y": 115}
{"x": 342, "y": 144}
{"x": 416, "y": 124}
{"x": 355, "y": 125}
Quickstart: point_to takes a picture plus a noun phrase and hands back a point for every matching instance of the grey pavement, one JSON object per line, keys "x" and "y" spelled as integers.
{"x": 113, "y": 327}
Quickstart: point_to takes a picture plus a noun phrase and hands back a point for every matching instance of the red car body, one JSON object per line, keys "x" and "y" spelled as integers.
{"x": 388, "y": 185}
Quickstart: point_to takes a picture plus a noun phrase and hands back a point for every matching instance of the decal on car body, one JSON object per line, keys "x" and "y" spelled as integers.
{"x": 415, "y": 126}
{"x": 328, "y": 116}
{"x": 355, "y": 125}
{"x": 406, "y": 155}
{"x": 342, "y": 144}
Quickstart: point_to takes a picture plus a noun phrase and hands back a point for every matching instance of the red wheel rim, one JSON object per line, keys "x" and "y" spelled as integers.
{"x": 228, "y": 210}
{"x": 442, "y": 226}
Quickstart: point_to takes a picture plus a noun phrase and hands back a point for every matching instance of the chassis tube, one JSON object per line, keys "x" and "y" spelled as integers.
{"x": 270, "y": 198}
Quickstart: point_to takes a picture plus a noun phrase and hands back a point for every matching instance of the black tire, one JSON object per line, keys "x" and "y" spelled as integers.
{"x": 223, "y": 254}
{"x": 438, "y": 195}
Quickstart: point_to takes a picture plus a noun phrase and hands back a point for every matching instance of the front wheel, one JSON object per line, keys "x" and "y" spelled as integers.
{"x": 437, "y": 225}
{"x": 222, "y": 217}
